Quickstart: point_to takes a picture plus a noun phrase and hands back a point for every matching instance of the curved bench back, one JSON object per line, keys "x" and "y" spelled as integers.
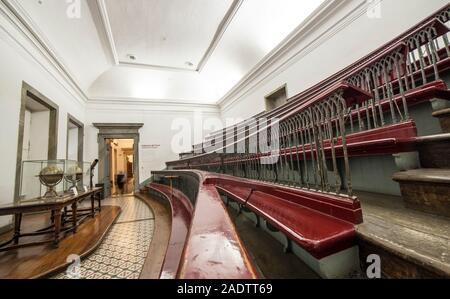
{"x": 212, "y": 248}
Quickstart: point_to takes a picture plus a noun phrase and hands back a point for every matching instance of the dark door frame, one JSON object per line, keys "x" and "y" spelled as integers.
{"x": 80, "y": 146}
{"x": 117, "y": 131}
{"x": 29, "y": 92}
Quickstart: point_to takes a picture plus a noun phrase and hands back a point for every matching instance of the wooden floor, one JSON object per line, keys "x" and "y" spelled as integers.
{"x": 41, "y": 261}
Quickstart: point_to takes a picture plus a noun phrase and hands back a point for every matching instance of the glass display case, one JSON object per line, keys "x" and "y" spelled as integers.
{"x": 51, "y": 178}
{"x": 76, "y": 174}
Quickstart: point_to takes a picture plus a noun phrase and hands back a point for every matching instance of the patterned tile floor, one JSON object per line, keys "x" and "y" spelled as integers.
{"x": 124, "y": 249}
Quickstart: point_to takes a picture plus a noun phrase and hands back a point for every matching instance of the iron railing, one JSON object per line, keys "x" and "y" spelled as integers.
{"x": 310, "y": 132}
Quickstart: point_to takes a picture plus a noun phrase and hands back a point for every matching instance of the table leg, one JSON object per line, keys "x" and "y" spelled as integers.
{"x": 74, "y": 216}
{"x": 64, "y": 215}
{"x": 99, "y": 198}
{"x": 17, "y": 224}
{"x": 93, "y": 205}
{"x": 57, "y": 226}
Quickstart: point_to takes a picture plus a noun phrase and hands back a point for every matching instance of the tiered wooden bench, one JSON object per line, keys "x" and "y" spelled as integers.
{"x": 200, "y": 223}
{"x": 321, "y": 225}
{"x": 378, "y": 91}
{"x": 182, "y": 211}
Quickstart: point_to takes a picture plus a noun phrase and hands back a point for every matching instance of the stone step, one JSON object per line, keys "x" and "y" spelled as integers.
{"x": 434, "y": 151}
{"x": 426, "y": 190}
{"x": 410, "y": 244}
{"x": 444, "y": 118}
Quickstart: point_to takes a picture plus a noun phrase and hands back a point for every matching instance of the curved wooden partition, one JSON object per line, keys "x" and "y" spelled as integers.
{"x": 322, "y": 224}
{"x": 182, "y": 211}
{"x": 208, "y": 247}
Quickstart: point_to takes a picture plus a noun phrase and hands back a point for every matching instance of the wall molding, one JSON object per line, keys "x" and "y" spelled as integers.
{"x": 149, "y": 102}
{"x": 281, "y": 57}
{"x": 152, "y": 105}
{"x": 17, "y": 16}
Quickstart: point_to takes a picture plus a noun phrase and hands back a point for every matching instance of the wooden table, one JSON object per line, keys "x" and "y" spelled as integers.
{"x": 58, "y": 207}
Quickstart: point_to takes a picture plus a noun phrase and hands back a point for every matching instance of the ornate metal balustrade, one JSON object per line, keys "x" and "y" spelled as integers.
{"x": 308, "y": 136}
{"x": 298, "y": 153}
{"x": 427, "y": 40}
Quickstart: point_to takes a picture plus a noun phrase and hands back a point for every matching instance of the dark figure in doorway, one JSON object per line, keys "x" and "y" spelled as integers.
{"x": 121, "y": 180}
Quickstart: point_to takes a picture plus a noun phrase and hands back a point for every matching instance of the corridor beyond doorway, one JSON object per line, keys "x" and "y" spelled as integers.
{"x": 121, "y": 170}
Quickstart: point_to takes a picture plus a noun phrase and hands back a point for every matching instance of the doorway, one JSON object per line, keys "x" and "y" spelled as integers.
{"x": 120, "y": 172}
{"x": 107, "y": 156}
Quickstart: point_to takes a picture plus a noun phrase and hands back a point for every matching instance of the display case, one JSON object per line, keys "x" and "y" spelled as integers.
{"x": 51, "y": 178}
{"x": 76, "y": 174}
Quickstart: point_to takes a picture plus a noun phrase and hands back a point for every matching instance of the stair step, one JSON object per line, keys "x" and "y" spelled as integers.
{"x": 444, "y": 119}
{"x": 411, "y": 244}
{"x": 426, "y": 190}
{"x": 434, "y": 151}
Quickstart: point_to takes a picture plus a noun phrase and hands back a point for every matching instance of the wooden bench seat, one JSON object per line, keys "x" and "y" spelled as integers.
{"x": 319, "y": 234}
{"x": 430, "y": 90}
{"x": 380, "y": 141}
{"x": 322, "y": 224}
{"x": 240, "y": 194}
{"x": 389, "y": 139}
{"x": 433, "y": 90}
{"x": 182, "y": 211}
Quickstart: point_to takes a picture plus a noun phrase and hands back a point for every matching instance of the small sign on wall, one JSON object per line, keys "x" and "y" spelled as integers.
{"x": 150, "y": 146}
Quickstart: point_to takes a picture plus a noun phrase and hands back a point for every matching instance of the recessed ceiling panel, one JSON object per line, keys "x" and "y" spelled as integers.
{"x": 165, "y": 33}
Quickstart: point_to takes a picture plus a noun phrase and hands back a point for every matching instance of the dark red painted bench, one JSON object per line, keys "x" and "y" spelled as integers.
{"x": 414, "y": 96}
{"x": 322, "y": 224}
{"x": 433, "y": 90}
{"x": 182, "y": 211}
{"x": 381, "y": 141}
{"x": 205, "y": 241}
{"x": 389, "y": 139}
{"x": 317, "y": 233}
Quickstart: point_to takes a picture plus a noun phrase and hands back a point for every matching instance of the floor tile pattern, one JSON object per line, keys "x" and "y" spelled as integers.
{"x": 123, "y": 251}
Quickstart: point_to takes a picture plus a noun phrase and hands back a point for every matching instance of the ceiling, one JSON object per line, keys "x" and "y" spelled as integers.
{"x": 165, "y": 34}
{"x": 189, "y": 51}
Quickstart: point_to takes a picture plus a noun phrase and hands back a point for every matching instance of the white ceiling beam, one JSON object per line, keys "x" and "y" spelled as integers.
{"x": 108, "y": 31}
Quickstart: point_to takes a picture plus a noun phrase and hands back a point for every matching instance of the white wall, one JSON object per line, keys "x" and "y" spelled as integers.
{"x": 39, "y": 134}
{"x": 72, "y": 146}
{"x": 21, "y": 61}
{"x": 157, "y": 130}
{"x": 328, "y": 49}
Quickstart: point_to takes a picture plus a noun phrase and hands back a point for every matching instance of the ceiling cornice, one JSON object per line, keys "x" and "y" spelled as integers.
{"x": 23, "y": 22}
{"x": 107, "y": 29}
{"x": 229, "y": 16}
{"x": 280, "y": 58}
{"x": 150, "y": 104}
